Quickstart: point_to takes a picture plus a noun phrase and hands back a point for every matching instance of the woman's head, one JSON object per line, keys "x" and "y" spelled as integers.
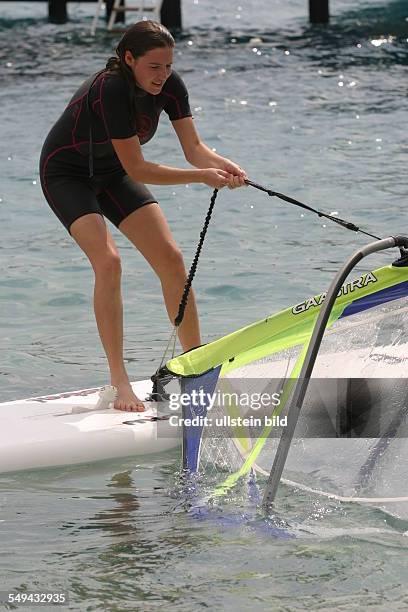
{"x": 145, "y": 53}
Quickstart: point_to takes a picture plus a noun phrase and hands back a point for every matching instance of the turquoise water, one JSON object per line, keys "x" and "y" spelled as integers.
{"x": 317, "y": 113}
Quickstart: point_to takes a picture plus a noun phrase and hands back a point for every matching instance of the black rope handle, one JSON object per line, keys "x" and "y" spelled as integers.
{"x": 187, "y": 286}
{"x": 346, "y": 224}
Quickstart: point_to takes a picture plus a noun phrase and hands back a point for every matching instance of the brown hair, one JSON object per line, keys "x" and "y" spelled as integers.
{"x": 140, "y": 38}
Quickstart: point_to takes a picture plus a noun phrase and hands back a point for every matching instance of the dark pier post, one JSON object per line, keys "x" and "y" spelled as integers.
{"x": 57, "y": 11}
{"x": 120, "y": 17}
{"x": 319, "y": 11}
{"x": 170, "y": 14}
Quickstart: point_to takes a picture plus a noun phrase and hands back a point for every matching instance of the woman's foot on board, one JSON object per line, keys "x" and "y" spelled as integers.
{"x": 126, "y": 399}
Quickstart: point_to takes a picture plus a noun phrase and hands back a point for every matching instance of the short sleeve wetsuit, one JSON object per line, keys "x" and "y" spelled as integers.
{"x": 64, "y": 165}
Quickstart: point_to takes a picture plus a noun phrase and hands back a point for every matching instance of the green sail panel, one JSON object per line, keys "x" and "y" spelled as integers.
{"x": 284, "y": 330}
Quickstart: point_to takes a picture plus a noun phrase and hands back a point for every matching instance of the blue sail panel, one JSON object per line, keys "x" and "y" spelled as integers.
{"x": 197, "y": 390}
{"x": 376, "y": 299}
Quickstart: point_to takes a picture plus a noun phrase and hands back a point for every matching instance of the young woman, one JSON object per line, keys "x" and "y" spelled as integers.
{"x": 92, "y": 167}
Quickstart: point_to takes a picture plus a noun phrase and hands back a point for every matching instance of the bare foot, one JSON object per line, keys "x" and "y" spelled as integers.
{"x": 126, "y": 400}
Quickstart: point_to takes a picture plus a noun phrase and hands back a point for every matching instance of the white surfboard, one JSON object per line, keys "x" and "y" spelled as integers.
{"x": 72, "y": 428}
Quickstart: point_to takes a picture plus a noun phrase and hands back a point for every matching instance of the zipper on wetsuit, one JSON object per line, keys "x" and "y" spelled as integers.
{"x": 89, "y": 111}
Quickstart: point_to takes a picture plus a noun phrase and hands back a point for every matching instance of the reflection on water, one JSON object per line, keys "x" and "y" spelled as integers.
{"x": 132, "y": 535}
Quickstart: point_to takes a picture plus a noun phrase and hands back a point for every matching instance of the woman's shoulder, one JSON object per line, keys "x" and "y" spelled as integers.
{"x": 175, "y": 84}
{"x": 113, "y": 81}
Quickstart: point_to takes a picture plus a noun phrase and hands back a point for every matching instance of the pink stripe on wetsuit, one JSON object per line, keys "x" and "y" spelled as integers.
{"x": 64, "y": 170}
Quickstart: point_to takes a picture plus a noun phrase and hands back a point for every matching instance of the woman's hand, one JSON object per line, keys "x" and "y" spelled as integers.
{"x": 238, "y": 175}
{"x": 215, "y": 178}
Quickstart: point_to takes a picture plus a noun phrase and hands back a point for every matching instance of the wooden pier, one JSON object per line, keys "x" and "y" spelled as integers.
{"x": 170, "y": 13}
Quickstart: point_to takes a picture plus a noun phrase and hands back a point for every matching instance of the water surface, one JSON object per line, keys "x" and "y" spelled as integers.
{"x": 316, "y": 112}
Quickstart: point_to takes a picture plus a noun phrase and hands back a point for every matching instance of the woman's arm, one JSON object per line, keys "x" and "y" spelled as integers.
{"x": 199, "y": 155}
{"x": 131, "y": 157}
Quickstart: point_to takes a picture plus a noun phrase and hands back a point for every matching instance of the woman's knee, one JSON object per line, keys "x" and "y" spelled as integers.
{"x": 107, "y": 266}
{"x": 94, "y": 238}
{"x": 173, "y": 261}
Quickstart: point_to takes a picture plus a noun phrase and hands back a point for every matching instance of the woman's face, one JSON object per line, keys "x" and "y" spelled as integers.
{"x": 152, "y": 69}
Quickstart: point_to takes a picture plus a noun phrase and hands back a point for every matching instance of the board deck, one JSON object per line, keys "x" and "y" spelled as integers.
{"x": 66, "y": 429}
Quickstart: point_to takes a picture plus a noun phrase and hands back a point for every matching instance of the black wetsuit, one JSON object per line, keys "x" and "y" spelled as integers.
{"x": 64, "y": 163}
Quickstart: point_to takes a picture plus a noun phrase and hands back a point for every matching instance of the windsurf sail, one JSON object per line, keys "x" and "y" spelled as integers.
{"x": 350, "y": 442}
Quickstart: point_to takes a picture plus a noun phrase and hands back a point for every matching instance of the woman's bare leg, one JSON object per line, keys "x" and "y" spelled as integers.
{"x": 148, "y": 230}
{"x": 94, "y": 238}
